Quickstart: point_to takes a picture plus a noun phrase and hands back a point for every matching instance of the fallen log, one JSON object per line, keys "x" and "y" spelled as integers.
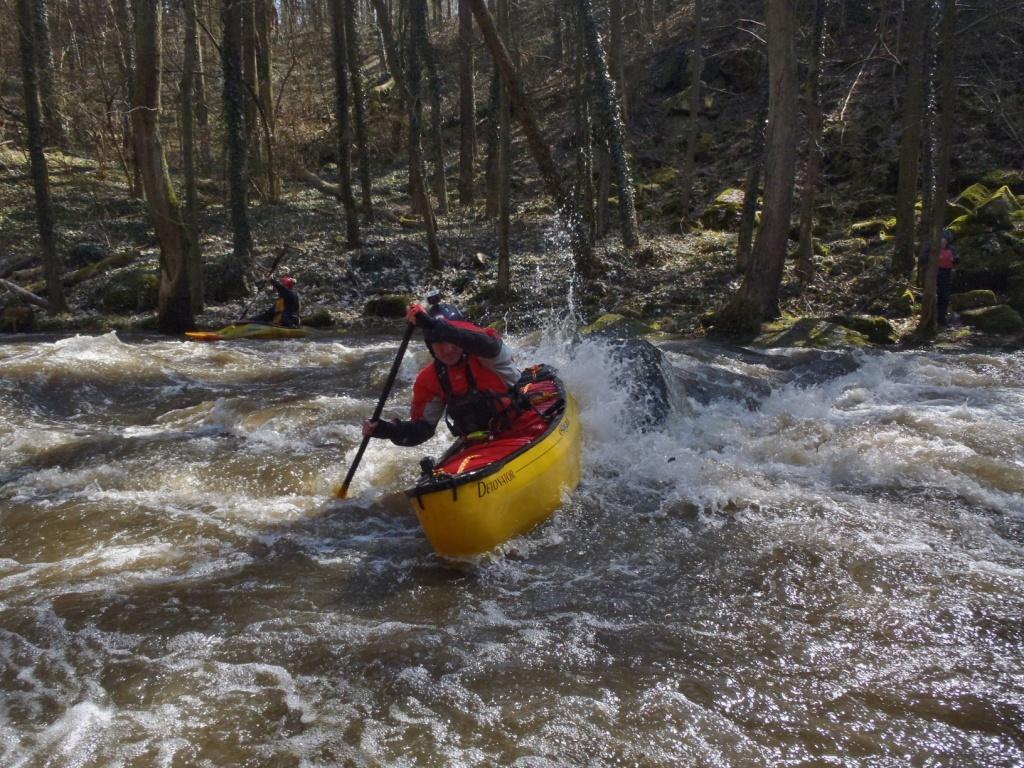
{"x": 316, "y": 182}
{"x": 27, "y": 296}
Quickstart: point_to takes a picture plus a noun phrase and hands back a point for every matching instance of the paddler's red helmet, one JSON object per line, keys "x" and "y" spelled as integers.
{"x": 287, "y": 282}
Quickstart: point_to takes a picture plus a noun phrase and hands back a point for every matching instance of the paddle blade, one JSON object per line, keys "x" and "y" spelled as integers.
{"x": 341, "y": 491}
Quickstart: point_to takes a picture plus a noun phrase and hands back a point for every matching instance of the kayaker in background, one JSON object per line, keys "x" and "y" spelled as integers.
{"x": 949, "y": 257}
{"x": 469, "y": 380}
{"x": 285, "y": 310}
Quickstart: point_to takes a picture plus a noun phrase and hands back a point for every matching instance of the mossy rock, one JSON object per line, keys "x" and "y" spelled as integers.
{"x": 387, "y": 305}
{"x": 127, "y": 291}
{"x": 873, "y": 228}
{"x": 318, "y": 317}
{"x": 876, "y": 329}
{"x": 1000, "y": 319}
{"x": 619, "y": 324}
{"x": 958, "y": 302}
{"x": 223, "y": 280}
{"x": 810, "y": 332}
{"x": 724, "y": 213}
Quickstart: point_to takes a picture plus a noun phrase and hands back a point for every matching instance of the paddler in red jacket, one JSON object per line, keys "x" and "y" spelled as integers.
{"x": 469, "y": 381}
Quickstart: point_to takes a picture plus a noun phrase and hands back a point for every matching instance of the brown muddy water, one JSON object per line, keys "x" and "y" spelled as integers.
{"x": 825, "y": 570}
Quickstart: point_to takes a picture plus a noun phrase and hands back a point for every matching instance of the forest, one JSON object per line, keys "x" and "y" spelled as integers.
{"x": 768, "y": 171}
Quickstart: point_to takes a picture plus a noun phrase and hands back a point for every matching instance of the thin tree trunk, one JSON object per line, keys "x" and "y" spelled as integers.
{"x": 358, "y": 108}
{"x": 585, "y": 145}
{"x": 52, "y": 266}
{"x": 53, "y": 120}
{"x": 615, "y": 131}
{"x": 436, "y": 119}
{"x": 616, "y": 65}
{"x": 467, "y": 105}
{"x": 910, "y": 140}
{"x": 123, "y": 23}
{"x": 748, "y": 213}
{"x": 504, "y": 282}
{"x": 417, "y": 173}
{"x": 251, "y": 92}
{"x": 394, "y": 62}
{"x": 266, "y": 95}
{"x": 202, "y": 108}
{"x": 237, "y": 145}
{"x": 943, "y": 153}
{"x": 758, "y": 296}
{"x": 812, "y": 171}
{"x": 194, "y": 259}
{"x": 344, "y": 129}
{"x": 692, "y": 128}
{"x": 174, "y": 313}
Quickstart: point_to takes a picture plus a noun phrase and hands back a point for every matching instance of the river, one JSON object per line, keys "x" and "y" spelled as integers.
{"x": 815, "y": 570}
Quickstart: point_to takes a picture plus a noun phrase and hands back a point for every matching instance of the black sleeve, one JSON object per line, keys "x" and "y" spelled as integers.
{"x": 476, "y": 343}
{"x": 405, "y": 433}
{"x": 291, "y": 299}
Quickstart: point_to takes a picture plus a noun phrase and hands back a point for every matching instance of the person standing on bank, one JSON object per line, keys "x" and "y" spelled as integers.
{"x": 469, "y": 381}
{"x": 285, "y": 309}
{"x": 949, "y": 257}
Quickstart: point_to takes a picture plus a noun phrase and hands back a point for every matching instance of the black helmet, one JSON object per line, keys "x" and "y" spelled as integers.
{"x": 448, "y": 311}
{"x": 947, "y": 235}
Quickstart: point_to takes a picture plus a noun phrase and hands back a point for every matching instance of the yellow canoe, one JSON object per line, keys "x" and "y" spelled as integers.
{"x": 473, "y": 512}
{"x": 249, "y": 331}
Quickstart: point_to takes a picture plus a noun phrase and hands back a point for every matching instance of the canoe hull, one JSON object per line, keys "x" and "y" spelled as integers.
{"x": 249, "y": 331}
{"x": 476, "y": 514}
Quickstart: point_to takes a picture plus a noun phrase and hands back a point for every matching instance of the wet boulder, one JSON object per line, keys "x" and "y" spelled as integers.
{"x": 127, "y": 291}
{"x": 17, "y": 319}
{"x": 1000, "y": 319}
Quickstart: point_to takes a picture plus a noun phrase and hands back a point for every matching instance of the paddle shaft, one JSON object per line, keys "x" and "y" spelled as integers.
{"x": 342, "y": 492}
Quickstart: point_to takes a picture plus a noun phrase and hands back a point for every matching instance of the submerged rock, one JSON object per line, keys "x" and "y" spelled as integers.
{"x": 958, "y": 302}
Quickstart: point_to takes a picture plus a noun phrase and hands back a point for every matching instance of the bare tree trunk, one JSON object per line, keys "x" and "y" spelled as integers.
{"x": 123, "y": 23}
{"x": 394, "y": 61}
{"x": 174, "y": 313}
{"x": 748, "y": 213}
{"x": 615, "y": 131}
{"x": 805, "y": 265}
{"x": 539, "y": 148}
{"x": 343, "y": 127}
{"x": 585, "y": 144}
{"x": 194, "y": 261}
{"x": 910, "y": 140}
{"x": 40, "y": 175}
{"x": 358, "y": 108}
{"x": 692, "y": 129}
{"x": 417, "y": 173}
{"x": 237, "y": 146}
{"x": 467, "y": 105}
{"x": 266, "y": 95}
{"x": 202, "y": 108}
{"x": 616, "y": 63}
{"x": 53, "y": 120}
{"x": 943, "y": 152}
{"x": 436, "y": 119}
{"x": 504, "y": 282}
{"x": 251, "y": 93}
{"x": 758, "y": 296}
{"x": 491, "y": 137}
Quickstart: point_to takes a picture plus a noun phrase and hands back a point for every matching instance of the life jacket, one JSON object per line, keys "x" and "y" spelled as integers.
{"x": 477, "y": 400}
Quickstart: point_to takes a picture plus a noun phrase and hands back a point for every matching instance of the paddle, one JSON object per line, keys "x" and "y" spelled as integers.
{"x": 270, "y": 270}
{"x": 342, "y": 491}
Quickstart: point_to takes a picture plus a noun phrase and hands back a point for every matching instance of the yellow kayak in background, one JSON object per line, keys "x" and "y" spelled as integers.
{"x": 250, "y": 331}
{"x": 483, "y": 494}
